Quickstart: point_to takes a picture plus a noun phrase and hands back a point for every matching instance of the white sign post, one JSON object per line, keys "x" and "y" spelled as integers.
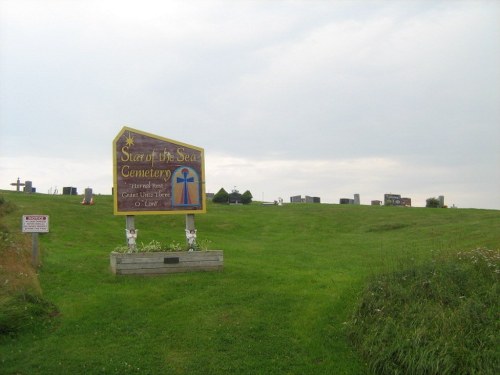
{"x": 35, "y": 224}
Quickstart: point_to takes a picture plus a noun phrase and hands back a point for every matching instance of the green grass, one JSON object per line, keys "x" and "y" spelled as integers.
{"x": 293, "y": 278}
{"x": 439, "y": 317}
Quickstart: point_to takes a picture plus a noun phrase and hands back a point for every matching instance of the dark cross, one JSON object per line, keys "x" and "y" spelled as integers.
{"x": 185, "y": 180}
{"x": 17, "y": 184}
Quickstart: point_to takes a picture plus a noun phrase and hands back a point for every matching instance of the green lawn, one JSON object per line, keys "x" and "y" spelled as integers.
{"x": 293, "y": 276}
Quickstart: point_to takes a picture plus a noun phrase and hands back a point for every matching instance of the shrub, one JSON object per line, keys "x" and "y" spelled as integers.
{"x": 221, "y": 196}
{"x": 246, "y": 197}
{"x": 23, "y": 310}
{"x": 235, "y": 197}
{"x": 432, "y": 203}
{"x": 437, "y": 318}
{"x": 6, "y": 207}
{"x": 21, "y": 304}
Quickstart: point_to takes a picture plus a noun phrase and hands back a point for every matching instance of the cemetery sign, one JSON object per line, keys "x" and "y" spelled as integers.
{"x": 156, "y": 175}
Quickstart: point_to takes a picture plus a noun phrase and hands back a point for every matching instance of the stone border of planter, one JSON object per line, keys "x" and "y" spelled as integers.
{"x": 156, "y": 263}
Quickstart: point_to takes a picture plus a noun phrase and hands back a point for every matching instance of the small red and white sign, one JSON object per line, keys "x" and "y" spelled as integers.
{"x": 35, "y": 223}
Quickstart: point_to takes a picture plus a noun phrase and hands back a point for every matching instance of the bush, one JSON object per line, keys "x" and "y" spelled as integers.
{"x": 22, "y": 311}
{"x": 6, "y": 207}
{"x": 221, "y": 196}
{"x": 21, "y": 304}
{"x": 437, "y": 318}
{"x": 246, "y": 197}
{"x": 432, "y": 203}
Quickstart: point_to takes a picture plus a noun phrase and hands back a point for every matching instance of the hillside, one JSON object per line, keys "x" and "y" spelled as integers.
{"x": 293, "y": 277}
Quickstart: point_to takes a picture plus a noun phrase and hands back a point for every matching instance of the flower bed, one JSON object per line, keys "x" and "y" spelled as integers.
{"x": 154, "y": 263}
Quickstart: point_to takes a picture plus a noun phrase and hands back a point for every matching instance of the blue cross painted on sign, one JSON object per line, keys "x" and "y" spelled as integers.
{"x": 185, "y": 181}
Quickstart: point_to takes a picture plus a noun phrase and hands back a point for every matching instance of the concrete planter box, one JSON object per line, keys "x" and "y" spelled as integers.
{"x": 155, "y": 263}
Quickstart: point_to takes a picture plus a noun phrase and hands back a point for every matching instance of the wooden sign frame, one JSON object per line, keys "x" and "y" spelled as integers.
{"x": 153, "y": 175}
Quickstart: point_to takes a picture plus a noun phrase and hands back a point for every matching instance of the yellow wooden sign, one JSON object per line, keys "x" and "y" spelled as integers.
{"x": 153, "y": 175}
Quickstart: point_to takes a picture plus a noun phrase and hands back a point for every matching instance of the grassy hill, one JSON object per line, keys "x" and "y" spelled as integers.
{"x": 285, "y": 303}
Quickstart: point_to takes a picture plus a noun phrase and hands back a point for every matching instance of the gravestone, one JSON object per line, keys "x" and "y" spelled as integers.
{"x": 356, "y": 199}
{"x": 346, "y": 201}
{"x": 28, "y": 187}
{"x": 441, "y": 201}
{"x": 309, "y": 199}
{"x": 396, "y": 200}
{"x": 68, "y": 190}
{"x": 392, "y": 200}
{"x": 406, "y": 202}
{"x": 17, "y": 184}
{"x": 87, "y": 198}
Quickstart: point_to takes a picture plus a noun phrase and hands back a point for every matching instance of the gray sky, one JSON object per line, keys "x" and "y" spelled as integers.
{"x": 320, "y": 98}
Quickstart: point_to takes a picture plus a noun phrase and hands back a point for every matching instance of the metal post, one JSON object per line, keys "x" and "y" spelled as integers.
{"x": 189, "y": 226}
{"x": 34, "y": 252}
{"x": 190, "y": 222}
{"x": 129, "y": 223}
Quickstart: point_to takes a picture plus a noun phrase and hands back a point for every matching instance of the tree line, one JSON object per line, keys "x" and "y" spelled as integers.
{"x": 222, "y": 196}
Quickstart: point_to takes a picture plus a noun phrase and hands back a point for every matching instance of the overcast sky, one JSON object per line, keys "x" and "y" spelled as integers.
{"x": 319, "y": 98}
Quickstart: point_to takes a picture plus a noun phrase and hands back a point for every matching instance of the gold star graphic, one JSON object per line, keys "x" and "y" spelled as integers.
{"x": 130, "y": 140}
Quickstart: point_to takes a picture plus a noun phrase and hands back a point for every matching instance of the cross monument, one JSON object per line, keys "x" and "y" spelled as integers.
{"x": 17, "y": 184}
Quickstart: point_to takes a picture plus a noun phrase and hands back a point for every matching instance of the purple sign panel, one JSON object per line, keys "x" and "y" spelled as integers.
{"x": 156, "y": 175}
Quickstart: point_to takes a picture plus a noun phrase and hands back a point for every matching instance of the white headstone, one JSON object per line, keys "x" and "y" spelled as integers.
{"x": 356, "y": 199}
{"x": 441, "y": 201}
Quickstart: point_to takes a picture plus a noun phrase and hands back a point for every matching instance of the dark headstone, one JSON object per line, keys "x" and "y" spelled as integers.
{"x": 68, "y": 190}
{"x": 346, "y": 201}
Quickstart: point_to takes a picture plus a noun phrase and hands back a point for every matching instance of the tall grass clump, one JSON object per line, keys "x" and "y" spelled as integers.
{"x": 21, "y": 302}
{"x": 440, "y": 317}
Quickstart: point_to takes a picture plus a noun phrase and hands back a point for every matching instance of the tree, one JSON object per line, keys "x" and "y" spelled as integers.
{"x": 246, "y": 197}
{"x": 432, "y": 202}
{"x": 235, "y": 197}
{"x": 221, "y": 196}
